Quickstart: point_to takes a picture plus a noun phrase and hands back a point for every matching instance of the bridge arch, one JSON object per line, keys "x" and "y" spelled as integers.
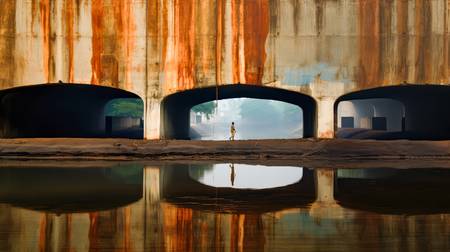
{"x": 423, "y": 111}
{"x": 175, "y": 108}
{"x": 57, "y": 110}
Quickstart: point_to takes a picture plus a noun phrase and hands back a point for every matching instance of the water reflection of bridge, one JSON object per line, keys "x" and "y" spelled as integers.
{"x": 162, "y": 219}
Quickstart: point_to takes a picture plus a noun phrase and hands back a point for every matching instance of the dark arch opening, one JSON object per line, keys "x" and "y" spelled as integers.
{"x": 175, "y": 108}
{"x": 58, "y": 110}
{"x": 422, "y": 110}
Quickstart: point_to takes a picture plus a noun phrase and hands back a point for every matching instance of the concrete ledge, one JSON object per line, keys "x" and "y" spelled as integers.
{"x": 304, "y": 151}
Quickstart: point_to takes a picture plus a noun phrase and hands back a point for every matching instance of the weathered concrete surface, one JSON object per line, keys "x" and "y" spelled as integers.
{"x": 323, "y": 48}
{"x": 316, "y": 153}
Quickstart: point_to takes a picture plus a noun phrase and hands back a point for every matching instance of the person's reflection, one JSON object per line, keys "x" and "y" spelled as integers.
{"x": 232, "y": 175}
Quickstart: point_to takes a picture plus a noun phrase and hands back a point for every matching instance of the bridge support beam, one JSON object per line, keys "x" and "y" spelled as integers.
{"x": 325, "y": 206}
{"x": 325, "y": 186}
{"x": 152, "y": 119}
{"x": 325, "y": 117}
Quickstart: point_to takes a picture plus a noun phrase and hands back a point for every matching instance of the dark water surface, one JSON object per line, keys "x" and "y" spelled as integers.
{"x": 221, "y": 207}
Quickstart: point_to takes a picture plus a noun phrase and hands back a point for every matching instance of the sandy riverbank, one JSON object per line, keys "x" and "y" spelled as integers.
{"x": 333, "y": 152}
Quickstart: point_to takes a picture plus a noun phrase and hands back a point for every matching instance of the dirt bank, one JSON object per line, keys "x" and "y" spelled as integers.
{"x": 305, "y": 150}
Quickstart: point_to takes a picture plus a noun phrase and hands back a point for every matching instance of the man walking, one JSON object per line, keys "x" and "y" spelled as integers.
{"x": 232, "y": 131}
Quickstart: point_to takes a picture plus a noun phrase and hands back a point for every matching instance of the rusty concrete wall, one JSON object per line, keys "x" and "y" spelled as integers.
{"x": 323, "y": 48}
{"x": 157, "y": 47}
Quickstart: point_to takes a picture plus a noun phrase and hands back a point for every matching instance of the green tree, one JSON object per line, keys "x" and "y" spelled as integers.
{"x": 127, "y": 107}
{"x": 206, "y": 108}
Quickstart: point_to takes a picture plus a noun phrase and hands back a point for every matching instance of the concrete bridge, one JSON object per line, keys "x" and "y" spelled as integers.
{"x": 174, "y": 54}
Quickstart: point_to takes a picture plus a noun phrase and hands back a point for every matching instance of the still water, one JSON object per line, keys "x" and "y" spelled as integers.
{"x": 221, "y": 207}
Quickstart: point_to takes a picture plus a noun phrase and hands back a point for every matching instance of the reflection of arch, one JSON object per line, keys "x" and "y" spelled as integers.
{"x": 224, "y": 175}
{"x": 175, "y": 108}
{"x": 394, "y": 191}
{"x": 426, "y": 109}
{"x": 56, "y": 110}
{"x": 61, "y": 188}
{"x": 178, "y": 187}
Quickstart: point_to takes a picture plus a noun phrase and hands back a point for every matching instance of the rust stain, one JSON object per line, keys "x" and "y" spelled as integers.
{"x": 236, "y": 232}
{"x": 43, "y": 234}
{"x": 127, "y": 231}
{"x": 254, "y": 233}
{"x": 69, "y": 232}
{"x": 220, "y": 28}
{"x": 45, "y": 231}
{"x": 295, "y": 14}
{"x": 422, "y": 26}
{"x": 78, "y": 7}
{"x": 125, "y": 29}
{"x": 7, "y": 43}
{"x": 445, "y": 68}
{"x": 386, "y": 58}
{"x": 180, "y": 66}
{"x": 369, "y": 43}
{"x": 320, "y": 5}
{"x": 403, "y": 41}
{"x": 97, "y": 40}
{"x": 205, "y": 42}
{"x": 164, "y": 34}
{"x": 326, "y": 134}
{"x": 236, "y": 17}
{"x": 153, "y": 23}
{"x": 93, "y": 231}
{"x": 178, "y": 228}
{"x": 33, "y": 14}
{"x": 256, "y": 29}
{"x": 44, "y": 8}
{"x": 70, "y": 22}
{"x": 447, "y": 40}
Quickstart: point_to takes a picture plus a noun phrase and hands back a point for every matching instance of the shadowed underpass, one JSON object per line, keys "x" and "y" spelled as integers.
{"x": 59, "y": 110}
{"x": 175, "y": 112}
{"x": 416, "y": 112}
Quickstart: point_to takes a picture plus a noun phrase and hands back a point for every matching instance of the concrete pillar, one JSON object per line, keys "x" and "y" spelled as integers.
{"x": 152, "y": 118}
{"x": 325, "y": 117}
{"x": 325, "y": 207}
{"x": 325, "y": 186}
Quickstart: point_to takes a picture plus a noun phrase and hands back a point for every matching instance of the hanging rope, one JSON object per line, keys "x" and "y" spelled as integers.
{"x": 216, "y": 108}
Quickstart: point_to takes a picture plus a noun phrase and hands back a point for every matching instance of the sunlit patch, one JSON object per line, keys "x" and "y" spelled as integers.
{"x": 241, "y": 176}
{"x": 254, "y": 119}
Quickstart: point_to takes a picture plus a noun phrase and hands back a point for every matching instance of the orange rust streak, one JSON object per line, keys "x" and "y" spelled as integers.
{"x": 422, "y": 25}
{"x": 44, "y": 8}
{"x": 369, "y": 43}
{"x": 125, "y": 30}
{"x": 93, "y": 227}
{"x": 235, "y": 27}
{"x": 219, "y": 39}
{"x": 180, "y": 63}
{"x": 33, "y": 13}
{"x": 402, "y": 30}
{"x": 69, "y": 232}
{"x": 97, "y": 40}
{"x": 234, "y": 232}
{"x": 153, "y": 23}
{"x": 184, "y": 229}
{"x": 70, "y": 36}
{"x": 185, "y": 34}
{"x": 253, "y": 230}
{"x": 127, "y": 228}
{"x": 43, "y": 233}
{"x": 446, "y": 64}
{"x": 7, "y": 44}
{"x": 256, "y": 30}
{"x": 178, "y": 228}
{"x": 165, "y": 34}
